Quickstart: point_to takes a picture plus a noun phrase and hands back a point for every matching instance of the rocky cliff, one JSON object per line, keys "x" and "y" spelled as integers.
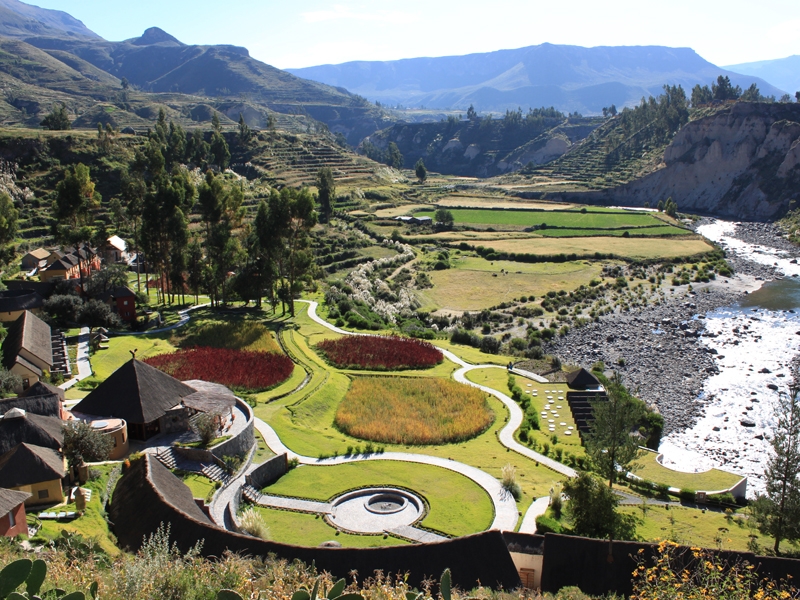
{"x": 742, "y": 162}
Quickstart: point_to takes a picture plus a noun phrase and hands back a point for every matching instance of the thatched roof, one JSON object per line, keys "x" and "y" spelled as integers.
{"x": 41, "y": 388}
{"x": 178, "y": 493}
{"x": 582, "y": 379}
{"x": 65, "y": 263}
{"x": 38, "y": 254}
{"x": 135, "y": 392}
{"x": 30, "y": 333}
{"x": 14, "y": 300}
{"x": 48, "y": 405}
{"x": 11, "y": 499}
{"x": 28, "y": 428}
{"x": 27, "y": 464}
{"x": 209, "y": 397}
{"x": 45, "y": 288}
{"x": 120, "y": 291}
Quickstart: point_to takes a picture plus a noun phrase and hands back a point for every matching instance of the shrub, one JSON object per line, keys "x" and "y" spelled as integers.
{"x": 251, "y": 521}
{"x": 687, "y": 496}
{"x": 545, "y": 524}
{"x": 380, "y": 353}
{"x": 412, "y": 411}
{"x": 239, "y": 369}
{"x": 510, "y": 484}
{"x": 205, "y": 425}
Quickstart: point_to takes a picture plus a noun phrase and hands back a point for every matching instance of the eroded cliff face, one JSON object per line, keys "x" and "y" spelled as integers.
{"x": 743, "y": 162}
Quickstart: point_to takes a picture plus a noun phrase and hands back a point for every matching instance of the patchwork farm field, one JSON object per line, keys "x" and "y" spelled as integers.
{"x": 560, "y": 218}
{"x": 476, "y": 284}
{"x": 494, "y": 202}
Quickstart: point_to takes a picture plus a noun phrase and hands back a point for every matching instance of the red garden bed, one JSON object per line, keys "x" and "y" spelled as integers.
{"x": 380, "y": 353}
{"x": 238, "y": 369}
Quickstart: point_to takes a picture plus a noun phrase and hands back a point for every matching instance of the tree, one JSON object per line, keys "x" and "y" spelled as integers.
{"x": 215, "y": 122}
{"x": 83, "y": 443}
{"x": 106, "y": 279}
{"x": 612, "y": 110}
{"x": 395, "y": 158}
{"x": 326, "y": 192}
{"x": 752, "y": 94}
{"x": 610, "y": 442}
{"x": 723, "y": 90}
{"x": 219, "y": 152}
{"x": 97, "y": 314}
{"x": 9, "y": 383}
{"x": 124, "y": 83}
{"x": 778, "y": 511}
{"x": 701, "y": 94}
{"x": 471, "y": 114}
{"x": 271, "y": 123}
{"x": 444, "y": 216}
{"x": 9, "y": 216}
{"x": 671, "y": 208}
{"x": 797, "y": 96}
{"x": 421, "y": 171}
{"x": 57, "y": 119}
{"x": 62, "y": 308}
{"x": 785, "y": 99}
{"x": 592, "y": 509}
{"x": 245, "y": 133}
{"x": 206, "y": 426}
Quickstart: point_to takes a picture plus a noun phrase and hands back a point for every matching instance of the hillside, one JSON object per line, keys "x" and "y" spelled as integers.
{"x": 571, "y": 78}
{"x": 739, "y": 161}
{"x": 22, "y": 20}
{"x": 782, "y": 72}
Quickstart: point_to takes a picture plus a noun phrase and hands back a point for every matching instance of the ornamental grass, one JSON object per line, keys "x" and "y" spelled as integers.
{"x": 380, "y": 353}
{"x": 237, "y": 369}
{"x": 413, "y": 411}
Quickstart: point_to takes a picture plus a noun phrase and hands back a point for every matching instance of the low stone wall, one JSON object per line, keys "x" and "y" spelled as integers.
{"x": 148, "y": 495}
{"x": 198, "y": 455}
{"x": 268, "y": 472}
{"x": 244, "y": 441}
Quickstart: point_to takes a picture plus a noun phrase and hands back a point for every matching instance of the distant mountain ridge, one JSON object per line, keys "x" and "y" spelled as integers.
{"x": 23, "y": 20}
{"x": 571, "y": 78}
{"x": 783, "y": 72}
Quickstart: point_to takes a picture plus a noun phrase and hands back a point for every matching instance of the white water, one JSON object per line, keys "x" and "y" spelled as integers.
{"x": 766, "y": 339}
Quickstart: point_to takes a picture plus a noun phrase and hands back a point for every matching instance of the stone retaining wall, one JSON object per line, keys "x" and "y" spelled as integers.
{"x": 243, "y": 442}
{"x": 268, "y": 472}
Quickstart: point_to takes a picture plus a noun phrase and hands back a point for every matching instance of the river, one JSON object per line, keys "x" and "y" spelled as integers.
{"x": 755, "y": 342}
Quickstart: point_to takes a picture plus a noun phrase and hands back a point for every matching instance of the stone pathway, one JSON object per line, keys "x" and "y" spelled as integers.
{"x": 417, "y": 535}
{"x": 529, "y": 375}
{"x": 184, "y": 318}
{"x": 536, "y": 509}
{"x": 308, "y": 506}
{"x": 82, "y": 362}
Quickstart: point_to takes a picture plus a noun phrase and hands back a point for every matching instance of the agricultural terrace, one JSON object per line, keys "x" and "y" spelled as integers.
{"x": 380, "y": 353}
{"x": 236, "y": 369}
{"x": 573, "y": 219}
{"x": 632, "y": 248}
{"x": 412, "y": 411}
{"x": 475, "y": 283}
{"x": 493, "y": 202}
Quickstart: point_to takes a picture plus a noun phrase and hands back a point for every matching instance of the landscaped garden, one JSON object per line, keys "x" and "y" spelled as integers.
{"x": 236, "y": 369}
{"x": 412, "y": 411}
{"x": 379, "y": 353}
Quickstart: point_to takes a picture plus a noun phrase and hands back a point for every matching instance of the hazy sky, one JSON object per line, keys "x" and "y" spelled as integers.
{"x": 299, "y": 33}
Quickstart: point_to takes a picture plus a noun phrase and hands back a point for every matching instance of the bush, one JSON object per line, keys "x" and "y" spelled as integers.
{"x": 687, "y": 496}
{"x": 545, "y": 524}
{"x": 205, "y": 425}
{"x": 251, "y": 521}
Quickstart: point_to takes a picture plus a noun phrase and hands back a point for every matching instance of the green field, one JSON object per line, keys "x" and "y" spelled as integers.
{"x": 572, "y": 219}
{"x": 709, "y": 481}
{"x": 475, "y": 283}
{"x": 458, "y": 506}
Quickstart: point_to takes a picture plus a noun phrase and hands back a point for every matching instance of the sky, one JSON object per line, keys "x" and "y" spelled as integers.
{"x": 303, "y": 33}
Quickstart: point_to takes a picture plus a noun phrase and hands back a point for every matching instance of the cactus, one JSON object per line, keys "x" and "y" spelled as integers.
{"x": 228, "y": 595}
{"x": 33, "y": 574}
{"x": 444, "y": 588}
{"x": 335, "y": 593}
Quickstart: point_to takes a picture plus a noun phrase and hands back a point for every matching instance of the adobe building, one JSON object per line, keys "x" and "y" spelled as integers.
{"x": 15, "y": 302}
{"x": 13, "y": 520}
{"x": 35, "y": 259}
{"x": 36, "y": 470}
{"x": 28, "y": 349}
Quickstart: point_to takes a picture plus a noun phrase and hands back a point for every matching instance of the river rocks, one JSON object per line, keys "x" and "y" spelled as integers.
{"x": 747, "y": 423}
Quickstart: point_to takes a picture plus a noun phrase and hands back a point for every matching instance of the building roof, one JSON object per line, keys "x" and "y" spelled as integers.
{"x": 30, "y": 333}
{"x": 45, "y": 288}
{"x": 40, "y": 388}
{"x": 121, "y": 291}
{"x": 65, "y": 263}
{"x": 18, "y": 426}
{"x": 27, "y": 464}
{"x": 582, "y": 379}
{"x": 209, "y": 397}
{"x": 48, "y": 405}
{"x": 135, "y": 392}
{"x": 118, "y": 243}
{"x": 11, "y": 499}
{"x": 38, "y": 254}
{"x": 14, "y": 300}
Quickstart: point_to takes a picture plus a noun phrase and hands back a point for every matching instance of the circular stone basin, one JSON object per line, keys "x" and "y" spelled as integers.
{"x": 375, "y": 510}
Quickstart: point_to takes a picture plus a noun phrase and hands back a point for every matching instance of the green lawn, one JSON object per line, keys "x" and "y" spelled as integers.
{"x": 305, "y": 529}
{"x": 709, "y": 481}
{"x": 574, "y": 219}
{"x": 458, "y": 506}
{"x": 262, "y": 450}
{"x": 105, "y": 362}
{"x": 201, "y": 486}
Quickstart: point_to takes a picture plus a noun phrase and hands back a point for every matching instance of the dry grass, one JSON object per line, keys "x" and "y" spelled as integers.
{"x": 473, "y": 288}
{"x": 622, "y": 247}
{"x": 412, "y": 411}
{"x": 397, "y": 211}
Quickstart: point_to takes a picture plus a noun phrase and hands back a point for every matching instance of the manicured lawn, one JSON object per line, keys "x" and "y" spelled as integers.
{"x": 201, "y": 486}
{"x": 464, "y": 288}
{"x": 458, "y": 506}
{"x": 498, "y": 379}
{"x": 574, "y": 219}
{"x": 709, "y": 481}
{"x": 472, "y": 355}
{"x": 105, "y": 362}
{"x": 262, "y": 450}
{"x": 295, "y": 379}
{"x": 694, "y": 527}
{"x": 237, "y": 335}
{"x": 303, "y": 529}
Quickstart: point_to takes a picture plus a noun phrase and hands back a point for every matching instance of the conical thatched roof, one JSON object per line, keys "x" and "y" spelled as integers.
{"x": 582, "y": 379}
{"x": 135, "y": 392}
{"x": 18, "y": 426}
{"x": 27, "y": 464}
{"x": 48, "y": 405}
{"x": 41, "y": 388}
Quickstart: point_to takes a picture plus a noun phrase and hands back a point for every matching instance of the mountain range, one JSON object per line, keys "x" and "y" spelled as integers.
{"x": 571, "y": 78}
{"x": 783, "y": 72}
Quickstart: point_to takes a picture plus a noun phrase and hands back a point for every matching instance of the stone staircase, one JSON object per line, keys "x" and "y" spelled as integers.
{"x": 215, "y": 473}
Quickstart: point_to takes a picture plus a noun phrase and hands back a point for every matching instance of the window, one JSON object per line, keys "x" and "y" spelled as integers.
{"x": 43, "y": 494}
{"x": 12, "y": 521}
{"x": 124, "y": 303}
{"x": 26, "y": 383}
